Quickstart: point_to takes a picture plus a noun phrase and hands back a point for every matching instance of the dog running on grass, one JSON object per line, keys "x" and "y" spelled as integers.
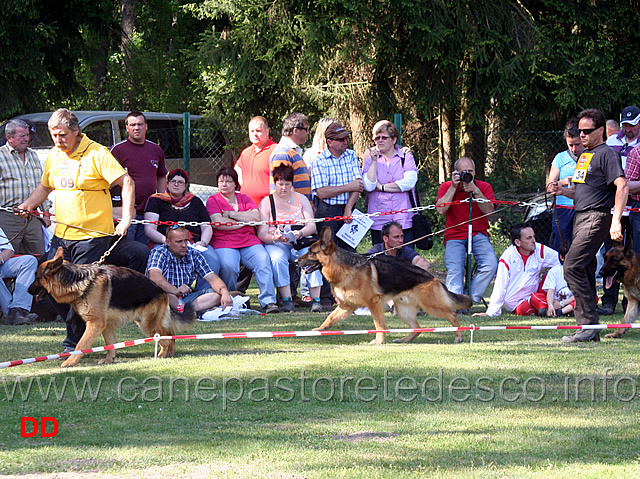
{"x": 109, "y": 297}
{"x": 357, "y": 281}
{"x": 623, "y": 264}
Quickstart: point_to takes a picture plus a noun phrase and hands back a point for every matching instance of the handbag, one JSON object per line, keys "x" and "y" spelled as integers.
{"x": 420, "y": 224}
{"x": 301, "y": 243}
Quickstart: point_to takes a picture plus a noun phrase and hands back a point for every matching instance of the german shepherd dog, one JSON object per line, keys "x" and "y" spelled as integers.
{"x": 623, "y": 264}
{"x": 357, "y": 281}
{"x": 108, "y": 297}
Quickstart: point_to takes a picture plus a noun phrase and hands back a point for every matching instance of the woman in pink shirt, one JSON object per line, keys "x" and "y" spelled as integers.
{"x": 237, "y": 243}
{"x": 390, "y": 175}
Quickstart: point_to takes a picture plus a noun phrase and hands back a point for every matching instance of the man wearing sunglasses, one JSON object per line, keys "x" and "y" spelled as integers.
{"x": 599, "y": 185}
{"x": 336, "y": 180}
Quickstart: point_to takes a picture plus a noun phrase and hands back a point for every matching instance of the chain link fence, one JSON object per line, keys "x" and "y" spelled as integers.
{"x": 210, "y": 149}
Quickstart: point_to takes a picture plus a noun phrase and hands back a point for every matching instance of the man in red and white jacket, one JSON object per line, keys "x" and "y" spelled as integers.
{"x": 518, "y": 275}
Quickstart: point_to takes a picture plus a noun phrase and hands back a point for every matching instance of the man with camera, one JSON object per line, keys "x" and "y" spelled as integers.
{"x": 463, "y": 184}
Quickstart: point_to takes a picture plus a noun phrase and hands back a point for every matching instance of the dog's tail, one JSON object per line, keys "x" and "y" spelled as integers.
{"x": 184, "y": 320}
{"x": 460, "y": 301}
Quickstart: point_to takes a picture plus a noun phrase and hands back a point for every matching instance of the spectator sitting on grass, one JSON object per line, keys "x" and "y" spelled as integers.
{"x": 558, "y": 299}
{"x": 518, "y": 274}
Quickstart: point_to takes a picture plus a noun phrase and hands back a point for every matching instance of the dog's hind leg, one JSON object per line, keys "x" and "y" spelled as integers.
{"x": 447, "y": 314}
{"x": 630, "y": 316}
{"x": 109, "y": 335}
{"x": 167, "y": 347}
{"x": 94, "y": 328}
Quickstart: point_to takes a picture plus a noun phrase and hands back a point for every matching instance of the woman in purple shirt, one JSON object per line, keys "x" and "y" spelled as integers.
{"x": 390, "y": 175}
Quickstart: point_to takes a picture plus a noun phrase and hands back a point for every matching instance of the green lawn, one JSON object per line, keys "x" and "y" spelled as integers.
{"x": 515, "y": 404}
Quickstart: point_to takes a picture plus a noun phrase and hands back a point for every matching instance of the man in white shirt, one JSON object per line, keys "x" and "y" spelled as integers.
{"x": 518, "y": 275}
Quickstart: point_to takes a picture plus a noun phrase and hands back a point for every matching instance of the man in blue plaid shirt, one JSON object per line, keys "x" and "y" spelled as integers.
{"x": 175, "y": 266}
{"x": 336, "y": 180}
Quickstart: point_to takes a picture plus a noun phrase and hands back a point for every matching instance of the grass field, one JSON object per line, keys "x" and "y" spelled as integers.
{"x": 516, "y": 404}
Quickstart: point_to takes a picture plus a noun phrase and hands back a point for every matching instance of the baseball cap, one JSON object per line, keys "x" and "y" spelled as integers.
{"x": 631, "y": 115}
{"x": 335, "y": 131}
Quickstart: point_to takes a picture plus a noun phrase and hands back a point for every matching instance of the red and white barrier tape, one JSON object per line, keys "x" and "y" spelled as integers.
{"x": 125, "y": 344}
{"x": 300, "y": 334}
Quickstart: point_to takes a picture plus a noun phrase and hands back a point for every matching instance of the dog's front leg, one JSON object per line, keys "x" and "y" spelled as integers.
{"x": 109, "y": 335}
{"x": 94, "y": 328}
{"x": 630, "y": 316}
{"x": 341, "y": 312}
{"x": 408, "y": 313}
{"x": 377, "y": 314}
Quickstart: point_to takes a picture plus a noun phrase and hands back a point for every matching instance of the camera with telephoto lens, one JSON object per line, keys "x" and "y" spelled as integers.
{"x": 466, "y": 176}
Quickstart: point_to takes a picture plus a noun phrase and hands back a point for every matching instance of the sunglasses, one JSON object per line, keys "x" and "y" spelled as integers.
{"x": 587, "y": 131}
{"x": 380, "y": 137}
{"x": 303, "y": 128}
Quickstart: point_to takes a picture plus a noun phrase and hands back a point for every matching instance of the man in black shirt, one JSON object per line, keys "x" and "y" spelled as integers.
{"x": 599, "y": 185}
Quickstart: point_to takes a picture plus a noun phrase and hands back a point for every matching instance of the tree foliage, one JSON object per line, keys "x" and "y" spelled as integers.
{"x": 475, "y": 66}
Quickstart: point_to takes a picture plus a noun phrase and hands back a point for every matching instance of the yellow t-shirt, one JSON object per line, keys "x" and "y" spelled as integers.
{"x": 81, "y": 183}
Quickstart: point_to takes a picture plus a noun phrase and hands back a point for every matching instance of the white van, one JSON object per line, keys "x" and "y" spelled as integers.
{"x": 209, "y": 146}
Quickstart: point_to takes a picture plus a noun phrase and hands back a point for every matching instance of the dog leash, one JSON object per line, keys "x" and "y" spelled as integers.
{"x": 108, "y": 252}
{"x": 105, "y": 254}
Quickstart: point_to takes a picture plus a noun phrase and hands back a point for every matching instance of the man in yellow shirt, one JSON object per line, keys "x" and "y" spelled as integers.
{"x": 81, "y": 171}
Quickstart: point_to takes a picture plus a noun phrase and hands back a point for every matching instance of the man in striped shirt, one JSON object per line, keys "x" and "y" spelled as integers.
{"x": 20, "y": 174}
{"x": 295, "y": 131}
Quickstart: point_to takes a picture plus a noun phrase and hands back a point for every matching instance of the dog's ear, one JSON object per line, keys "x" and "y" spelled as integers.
{"x": 627, "y": 250}
{"x": 326, "y": 238}
{"x": 54, "y": 265}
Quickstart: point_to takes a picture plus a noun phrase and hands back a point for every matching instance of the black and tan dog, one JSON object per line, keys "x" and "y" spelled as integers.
{"x": 623, "y": 264}
{"x": 109, "y": 297}
{"x": 357, "y": 281}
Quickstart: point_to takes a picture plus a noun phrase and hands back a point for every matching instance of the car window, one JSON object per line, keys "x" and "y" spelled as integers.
{"x": 101, "y": 132}
{"x": 167, "y": 134}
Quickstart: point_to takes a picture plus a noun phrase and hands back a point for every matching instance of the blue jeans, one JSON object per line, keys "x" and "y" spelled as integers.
{"x": 257, "y": 260}
{"x": 280, "y": 255}
{"x": 23, "y": 269}
{"x": 454, "y": 260}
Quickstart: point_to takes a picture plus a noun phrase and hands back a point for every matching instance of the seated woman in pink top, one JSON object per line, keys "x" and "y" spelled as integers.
{"x": 235, "y": 243}
{"x": 288, "y": 206}
{"x": 390, "y": 175}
